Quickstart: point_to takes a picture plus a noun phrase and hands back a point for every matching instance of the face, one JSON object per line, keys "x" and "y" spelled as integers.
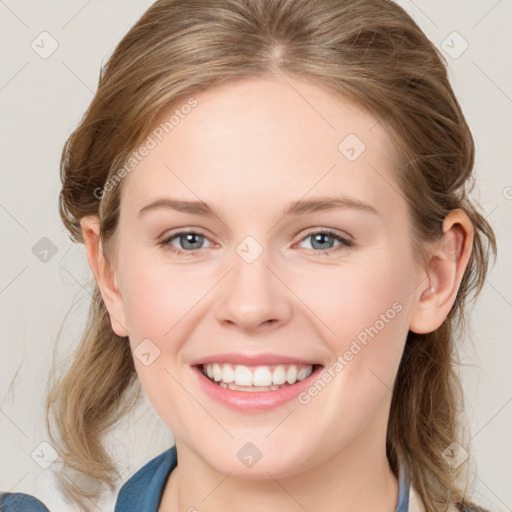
{"x": 288, "y": 282}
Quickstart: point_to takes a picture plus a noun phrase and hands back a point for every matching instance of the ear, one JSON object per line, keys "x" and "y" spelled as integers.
{"x": 104, "y": 273}
{"x": 443, "y": 274}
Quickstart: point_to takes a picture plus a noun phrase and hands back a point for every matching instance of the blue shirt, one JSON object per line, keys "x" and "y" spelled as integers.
{"x": 143, "y": 491}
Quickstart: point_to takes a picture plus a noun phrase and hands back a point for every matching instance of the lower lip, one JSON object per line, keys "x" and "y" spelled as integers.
{"x": 254, "y": 401}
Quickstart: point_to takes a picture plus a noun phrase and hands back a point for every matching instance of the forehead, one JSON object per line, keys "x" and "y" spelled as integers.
{"x": 268, "y": 139}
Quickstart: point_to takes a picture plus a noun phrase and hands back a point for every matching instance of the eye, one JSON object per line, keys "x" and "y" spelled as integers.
{"x": 190, "y": 241}
{"x": 324, "y": 240}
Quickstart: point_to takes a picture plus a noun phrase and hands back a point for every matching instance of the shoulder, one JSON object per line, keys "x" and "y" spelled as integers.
{"x": 143, "y": 490}
{"x": 19, "y": 502}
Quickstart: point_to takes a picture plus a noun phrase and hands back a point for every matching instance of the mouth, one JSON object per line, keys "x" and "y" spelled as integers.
{"x": 254, "y": 387}
{"x": 263, "y": 378}
{"x": 256, "y": 378}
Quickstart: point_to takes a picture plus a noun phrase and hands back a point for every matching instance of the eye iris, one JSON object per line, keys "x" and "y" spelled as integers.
{"x": 320, "y": 237}
{"x": 189, "y": 238}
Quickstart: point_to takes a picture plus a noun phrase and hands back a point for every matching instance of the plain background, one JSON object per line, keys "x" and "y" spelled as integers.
{"x": 41, "y": 102}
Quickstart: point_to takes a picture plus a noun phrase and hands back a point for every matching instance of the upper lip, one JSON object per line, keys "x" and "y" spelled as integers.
{"x": 252, "y": 359}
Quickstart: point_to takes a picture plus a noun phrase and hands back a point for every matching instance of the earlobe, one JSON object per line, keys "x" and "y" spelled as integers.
{"x": 104, "y": 274}
{"x": 443, "y": 274}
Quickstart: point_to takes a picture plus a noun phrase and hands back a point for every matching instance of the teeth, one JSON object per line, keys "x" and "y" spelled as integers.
{"x": 279, "y": 375}
{"x": 217, "y": 372}
{"x": 243, "y": 376}
{"x": 262, "y": 378}
{"x": 291, "y": 374}
{"x": 228, "y": 374}
{"x": 303, "y": 373}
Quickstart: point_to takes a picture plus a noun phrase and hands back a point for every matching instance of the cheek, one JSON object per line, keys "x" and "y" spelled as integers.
{"x": 349, "y": 299}
{"x": 157, "y": 298}
{"x": 159, "y": 305}
{"x": 363, "y": 315}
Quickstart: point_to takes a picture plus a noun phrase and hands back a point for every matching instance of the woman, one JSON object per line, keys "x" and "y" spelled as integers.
{"x": 301, "y": 349}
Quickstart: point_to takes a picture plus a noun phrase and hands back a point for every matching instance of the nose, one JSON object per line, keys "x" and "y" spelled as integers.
{"x": 253, "y": 297}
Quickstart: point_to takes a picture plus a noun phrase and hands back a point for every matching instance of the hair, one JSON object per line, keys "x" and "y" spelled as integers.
{"x": 368, "y": 51}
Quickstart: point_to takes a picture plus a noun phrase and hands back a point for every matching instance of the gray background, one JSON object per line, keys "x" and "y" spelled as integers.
{"x": 42, "y": 100}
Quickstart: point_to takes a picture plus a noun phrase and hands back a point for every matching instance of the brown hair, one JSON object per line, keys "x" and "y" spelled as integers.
{"x": 370, "y": 51}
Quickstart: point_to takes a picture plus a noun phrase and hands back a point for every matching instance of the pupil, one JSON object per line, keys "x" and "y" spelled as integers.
{"x": 320, "y": 238}
{"x": 189, "y": 237}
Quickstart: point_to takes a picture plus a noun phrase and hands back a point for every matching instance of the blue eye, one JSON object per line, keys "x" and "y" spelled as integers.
{"x": 192, "y": 241}
{"x": 323, "y": 240}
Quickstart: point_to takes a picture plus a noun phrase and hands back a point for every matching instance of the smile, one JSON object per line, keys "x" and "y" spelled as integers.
{"x": 256, "y": 378}
{"x": 254, "y": 387}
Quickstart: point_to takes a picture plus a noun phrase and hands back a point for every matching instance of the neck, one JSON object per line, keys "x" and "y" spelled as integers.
{"x": 354, "y": 480}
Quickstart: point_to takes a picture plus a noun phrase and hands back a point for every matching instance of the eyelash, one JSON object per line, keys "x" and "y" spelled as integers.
{"x": 344, "y": 242}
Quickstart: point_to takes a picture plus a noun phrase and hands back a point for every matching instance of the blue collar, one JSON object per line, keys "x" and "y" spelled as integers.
{"x": 144, "y": 489}
{"x": 403, "y": 488}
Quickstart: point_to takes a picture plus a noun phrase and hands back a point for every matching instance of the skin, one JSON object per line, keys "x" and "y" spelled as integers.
{"x": 248, "y": 149}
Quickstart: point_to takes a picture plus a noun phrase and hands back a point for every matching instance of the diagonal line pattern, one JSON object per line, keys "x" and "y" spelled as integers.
{"x": 492, "y": 492}
{"x": 280, "y": 423}
{"x": 13, "y": 217}
{"x": 14, "y": 76}
{"x": 380, "y": 380}
{"x": 424, "y": 13}
{"x": 494, "y": 416}
{"x": 14, "y": 423}
{"x": 13, "y": 13}
{"x": 17, "y": 483}
{"x": 496, "y": 290}
{"x": 492, "y": 81}
{"x": 76, "y": 14}
{"x": 217, "y": 486}
{"x": 13, "y": 279}
{"x": 492, "y": 211}
{"x": 485, "y": 15}
{"x": 77, "y": 76}
{"x": 286, "y": 491}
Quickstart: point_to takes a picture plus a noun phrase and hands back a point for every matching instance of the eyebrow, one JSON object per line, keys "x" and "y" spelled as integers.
{"x": 300, "y": 207}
